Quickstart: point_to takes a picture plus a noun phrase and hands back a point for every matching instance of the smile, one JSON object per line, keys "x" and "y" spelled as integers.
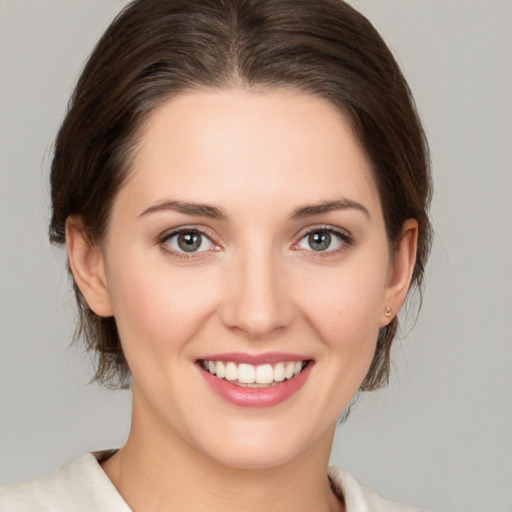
{"x": 248, "y": 375}
{"x": 270, "y": 380}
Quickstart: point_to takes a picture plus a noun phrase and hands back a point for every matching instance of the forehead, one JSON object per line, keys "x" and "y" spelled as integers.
{"x": 221, "y": 145}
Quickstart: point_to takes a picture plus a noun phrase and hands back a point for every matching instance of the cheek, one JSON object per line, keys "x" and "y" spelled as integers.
{"x": 344, "y": 306}
{"x": 157, "y": 309}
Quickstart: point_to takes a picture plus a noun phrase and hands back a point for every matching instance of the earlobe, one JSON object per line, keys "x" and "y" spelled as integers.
{"x": 88, "y": 267}
{"x": 400, "y": 271}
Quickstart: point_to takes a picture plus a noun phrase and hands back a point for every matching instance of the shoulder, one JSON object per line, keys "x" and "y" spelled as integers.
{"x": 81, "y": 486}
{"x": 359, "y": 498}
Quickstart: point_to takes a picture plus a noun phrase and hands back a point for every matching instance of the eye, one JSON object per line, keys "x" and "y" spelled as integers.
{"x": 188, "y": 241}
{"x": 323, "y": 240}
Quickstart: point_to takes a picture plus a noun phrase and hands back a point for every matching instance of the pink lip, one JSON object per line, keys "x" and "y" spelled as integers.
{"x": 265, "y": 358}
{"x": 256, "y": 397}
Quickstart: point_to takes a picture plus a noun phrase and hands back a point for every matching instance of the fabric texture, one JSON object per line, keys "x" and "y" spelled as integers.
{"x": 83, "y": 486}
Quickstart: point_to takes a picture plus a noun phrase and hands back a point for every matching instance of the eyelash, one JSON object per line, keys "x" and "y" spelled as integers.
{"x": 345, "y": 238}
{"x": 182, "y": 255}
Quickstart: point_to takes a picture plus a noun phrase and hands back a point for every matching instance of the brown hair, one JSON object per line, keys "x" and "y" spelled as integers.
{"x": 155, "y": 49}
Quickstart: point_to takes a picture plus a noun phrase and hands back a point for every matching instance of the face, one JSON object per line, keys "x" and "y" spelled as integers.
{"x": 248, "y": 241}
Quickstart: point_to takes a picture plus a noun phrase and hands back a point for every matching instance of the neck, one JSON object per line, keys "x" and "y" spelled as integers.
{"x": 159, "y": 470}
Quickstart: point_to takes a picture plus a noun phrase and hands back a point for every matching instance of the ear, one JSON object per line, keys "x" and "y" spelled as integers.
{"x": 88, "y": 267}
{"x": 400, "y": 271}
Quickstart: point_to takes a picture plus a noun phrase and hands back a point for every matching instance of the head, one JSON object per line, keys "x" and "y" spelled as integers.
{"x": 157, "y": 50}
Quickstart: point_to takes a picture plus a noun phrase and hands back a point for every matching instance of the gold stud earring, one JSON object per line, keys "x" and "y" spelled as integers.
{"x": 388, "y": 311}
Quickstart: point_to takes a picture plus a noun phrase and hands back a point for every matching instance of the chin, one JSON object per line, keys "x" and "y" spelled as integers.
{"x": 263, "y": 448}
{"x": 245, "y": 457}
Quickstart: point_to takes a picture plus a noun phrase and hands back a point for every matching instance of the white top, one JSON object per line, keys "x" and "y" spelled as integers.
{"x": 83, "y": 486}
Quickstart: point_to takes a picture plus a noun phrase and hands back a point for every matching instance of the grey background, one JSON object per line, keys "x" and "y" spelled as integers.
{"x": 440, "y": 436}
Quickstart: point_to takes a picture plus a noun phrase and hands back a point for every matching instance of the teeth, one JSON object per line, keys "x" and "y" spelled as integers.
{"x": 279, "y": 372}
{"x": 248, "y": 374}
{"x": 288, "y": 370}
{"x": 264, "y": 374}
{"x": 219, "y": 369}
{"x": 231, "y": 371}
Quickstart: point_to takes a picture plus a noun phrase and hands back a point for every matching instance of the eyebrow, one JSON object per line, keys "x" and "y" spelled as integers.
{"x": 200, "y": 209}
{"x": 326, "y": 207}
{"x": 212, "y": 212}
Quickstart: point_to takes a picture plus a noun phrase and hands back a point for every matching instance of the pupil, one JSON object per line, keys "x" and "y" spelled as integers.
{"x": 189, "y": 242}
{"x": 320, "y": 240}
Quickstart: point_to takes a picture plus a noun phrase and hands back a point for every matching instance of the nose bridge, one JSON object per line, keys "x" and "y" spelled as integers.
{"x": 257, "y": 302}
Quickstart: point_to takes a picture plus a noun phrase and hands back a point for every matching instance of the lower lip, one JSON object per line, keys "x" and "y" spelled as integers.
{"x": 256, "y": 397}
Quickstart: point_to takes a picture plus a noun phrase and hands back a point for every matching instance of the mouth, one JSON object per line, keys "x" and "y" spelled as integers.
{"x": 254, "y": 376}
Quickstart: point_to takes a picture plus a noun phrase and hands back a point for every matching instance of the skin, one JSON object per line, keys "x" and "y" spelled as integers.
{"x": 255, "y": 286}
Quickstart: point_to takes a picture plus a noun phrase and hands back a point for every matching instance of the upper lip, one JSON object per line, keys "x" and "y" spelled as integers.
{"x": 255, "y": 359}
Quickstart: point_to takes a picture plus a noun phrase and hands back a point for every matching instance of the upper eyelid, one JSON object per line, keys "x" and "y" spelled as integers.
{"x": 323, "y": 227}
{"x": 180, "y": 229}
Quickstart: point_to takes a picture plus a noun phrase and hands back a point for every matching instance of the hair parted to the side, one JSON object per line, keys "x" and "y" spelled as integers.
{"x": 156, "y": 49}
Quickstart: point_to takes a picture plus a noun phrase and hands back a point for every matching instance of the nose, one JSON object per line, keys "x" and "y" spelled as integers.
{"x": 257, "y": 300}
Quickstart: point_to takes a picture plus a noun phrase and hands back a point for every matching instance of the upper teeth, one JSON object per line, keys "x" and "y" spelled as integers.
{"x": 249, "y": 374}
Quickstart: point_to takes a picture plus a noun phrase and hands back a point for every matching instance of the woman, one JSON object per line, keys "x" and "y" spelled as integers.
{"x": 242, "y": 187}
